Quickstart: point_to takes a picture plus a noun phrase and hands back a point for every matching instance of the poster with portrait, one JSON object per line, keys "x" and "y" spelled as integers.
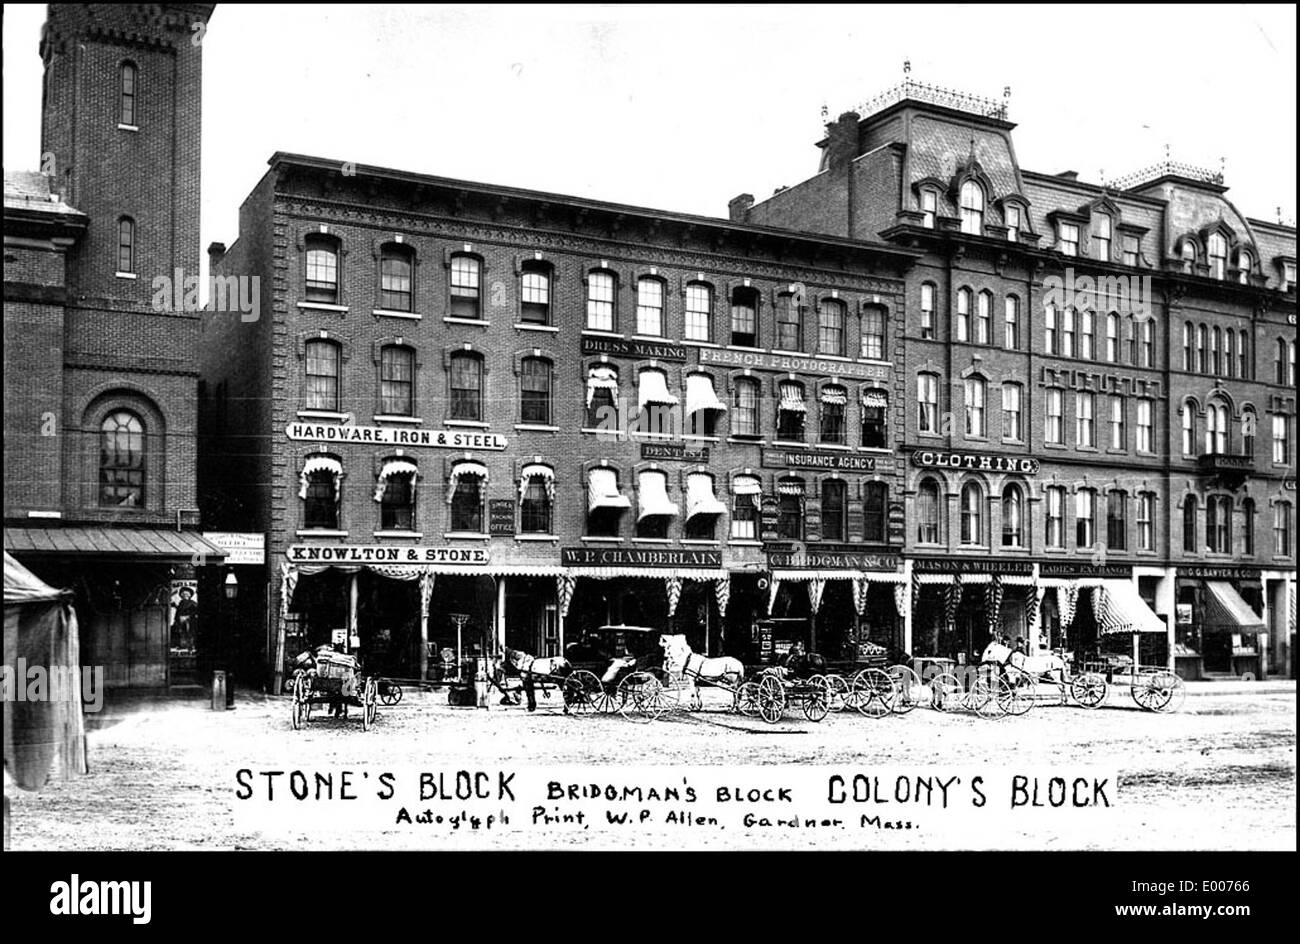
{"x": 183, "y": 615}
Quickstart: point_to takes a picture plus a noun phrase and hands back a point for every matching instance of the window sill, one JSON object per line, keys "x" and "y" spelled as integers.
{"x": 1054, "y": 445}
{"x": 320, "y": 533}
{"x": 598, "y": 539}
{"x": 324, "y": 306}
{"x": 711, "y": 439}
{"x": 391, "y": 418}
{"x": 638, "y": 436}
{"x": 553, "y": 538}
{"x": 689, "y": 343}
{"x": 398, "y": 534}
{"x": 837, "y": 357}
{"x": 597, "y": 333}
{"x": 748, "y": 350}
{"x": 1012, "y": 442}
{"x": 322, "y": 415}
{"x": 639, "y": 540}
{"x": 789, "y": 350}
{"x": 700, "y": 542}
{"x": 744, "y": 542}
{"x": 653, "y": 338}
{"x": 478, "y": 322}
{"x": 536, "y": 428}
{"x": 465, "y": 536}
{"x": 1092, "y": 449}
{"x": 746, "y": 441}
{"x": 122, "y": 127}
{"x": 790, "y": 442}
{"x": 1112, "y": 451}
{"x": 969, "y": 437}
{"x": 125, "y": 275}
{"x": 613, "y": 433}
{"x": 826, "y": 445}
{"x": 880, "y": 450}
{"x": 393, "y": 313}
{"x": 467, "y": 424}
{"x": 924, "y": 434}
{"x": 525, "y": 326}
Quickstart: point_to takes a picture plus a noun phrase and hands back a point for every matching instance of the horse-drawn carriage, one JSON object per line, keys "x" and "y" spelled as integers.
{"x": 328, "y": 678}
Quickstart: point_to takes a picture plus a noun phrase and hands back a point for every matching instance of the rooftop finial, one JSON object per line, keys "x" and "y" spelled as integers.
{"x": 907, "y": 66}
{"x": 825, "y": 111}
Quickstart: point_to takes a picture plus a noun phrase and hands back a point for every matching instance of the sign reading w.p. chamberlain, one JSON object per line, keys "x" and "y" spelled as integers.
{"x": 396, "y": 436}
{"x": 617, "y": 557}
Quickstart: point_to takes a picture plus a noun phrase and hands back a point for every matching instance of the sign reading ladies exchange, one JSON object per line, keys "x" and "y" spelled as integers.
{"x": 395, "y": 436}
{"x": 973, "y": 461}
{"x": 383, "y": 554}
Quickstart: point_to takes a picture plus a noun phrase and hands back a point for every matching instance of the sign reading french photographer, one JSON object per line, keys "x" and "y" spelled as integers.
{"x": 973, "y": 461}
{"x": 395, "y": 436}
{"x": 383, "y": 554}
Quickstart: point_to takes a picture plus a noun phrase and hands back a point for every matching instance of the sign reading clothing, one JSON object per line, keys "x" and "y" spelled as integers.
{"x": 937, "y": 459}
{"x": 395, "y": 436}
{"x": 616, "y": 557}
{"x": 383, "y": 554}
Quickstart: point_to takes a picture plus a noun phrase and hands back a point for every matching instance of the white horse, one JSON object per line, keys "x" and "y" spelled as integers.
{"x": 1047, "y": 666}
{"x": 678, "y": 657}
{"x": 525, "y": 664}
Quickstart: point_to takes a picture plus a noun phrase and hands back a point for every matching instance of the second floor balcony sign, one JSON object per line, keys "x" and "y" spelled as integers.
{"x": 460, "y": 439}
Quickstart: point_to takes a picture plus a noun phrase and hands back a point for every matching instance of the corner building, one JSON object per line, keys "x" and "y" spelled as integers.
{"x": 1098, "y": 443}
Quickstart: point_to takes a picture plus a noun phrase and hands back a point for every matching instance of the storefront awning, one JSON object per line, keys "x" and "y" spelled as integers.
{"x": 700, "y": 394}
{"x": 602, "y": 491}
{"x": 394, "y": 467}
{"x": 152, "y": 543}
{"x": 652, "y": 496}
{"x": 537, "y": 471}
{"x": 316, "y": 464}
{"x": 649, "y": 573}
{"x": 792, "y": 398}
{"x": 652, "y": 387}
{"x": 1226, "y": 611}
{"x": 700, "y": 499}
{"x": 873, "y": 576}
{"x": 1124, "y": 611}
{"x": 462, "y": 469}
{"x": 601, "y": 378}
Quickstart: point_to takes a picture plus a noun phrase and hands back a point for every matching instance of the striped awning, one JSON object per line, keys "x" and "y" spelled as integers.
{"x": 792, "y": 398}
{"x": 652, "y": 387}
{"x": 652, "y": 495}
{"x": 602, "y": 491}
{"x": 1124, "y": 611}
{"x": 462, "y": 469}
{"x": 601, "y": 378}
{"x": 155, "y": 543}
{"x": 1226, "y": 611}
{"x": 789, "y": 487}
{"x": 700, "y": 394}
{"x": 835, "y": 395}
{"x": 700, "y": 499}
{"x": 394, "y": 467}
{"x": 536, "y": 470}
{"x": 873, "y": 398}
{"x": 748, "y": 485}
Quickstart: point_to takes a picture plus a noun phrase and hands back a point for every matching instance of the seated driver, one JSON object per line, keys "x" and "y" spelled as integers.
{"x": 795, "y": 661}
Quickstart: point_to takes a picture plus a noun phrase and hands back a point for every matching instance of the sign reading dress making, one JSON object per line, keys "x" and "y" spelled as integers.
{"x": 396, "y": 436}
{"x": 383, "y": 554}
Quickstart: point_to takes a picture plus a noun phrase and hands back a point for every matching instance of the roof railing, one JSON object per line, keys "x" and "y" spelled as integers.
{"x": 1167, "y": 168}
{"x": 909, "y": 90}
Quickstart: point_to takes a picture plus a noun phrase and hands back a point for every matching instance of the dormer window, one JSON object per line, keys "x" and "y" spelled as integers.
{"x": 929, "y": 208}
{"x": 1132, "y": 251}
{"x": 1069, "y": 239}
{"x": 1189, "y": 255}
{"x": 1013, "y": 223}
{"x": 1244, "y": 262}
{"x": 1217, "y": 253}
{"x": 1103, "y": 236}
{"x": 972, "y": 208}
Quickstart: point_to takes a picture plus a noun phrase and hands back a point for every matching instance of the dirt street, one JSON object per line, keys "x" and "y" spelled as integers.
{"x": 1220, "y": 774}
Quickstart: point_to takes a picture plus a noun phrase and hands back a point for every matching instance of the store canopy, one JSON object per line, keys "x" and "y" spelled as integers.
{"x": 155, "y": 543}
{"x": 535, "y": 470}
{"x": 792, "y": 398}
{"x": 652, "y": 495}
{"x": 601, "y": 378}
{"x": 1124, "y": 611}
{"x": 1226, "y": 611}
{"x": 835, "y": 395}
{"x": 461, "y": 470}
{"x": 394, "y": 467}
{"x": 700, "y": 499}
{"x": 700, "y": 394}
{"x": 602, "y": 491}
{"x": 652, "y": 387}
{"x": 316, "y": 464}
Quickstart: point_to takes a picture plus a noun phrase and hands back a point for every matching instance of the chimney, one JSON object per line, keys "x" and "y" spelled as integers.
{"x": 738, "y": 208}
{"x": 842, "y": 139}
{"x": 216, "y": 252}
{"x": 1068, "y": 175}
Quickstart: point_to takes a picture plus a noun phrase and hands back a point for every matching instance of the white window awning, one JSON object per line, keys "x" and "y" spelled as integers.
{"x": 316, "y": 464}
{"x": 652, "y": 387}
{"x": 602, "y": 491}
{"x": 652, "y": 496}
{"x": 537, "y": 471}
{"x": 872, "y": 398}
{"x": 394, "y": 467}
{"x": 792, "y": 398}
{"x": 462, "y": 470}
{"x": 601, "y": 378}
{"x": 789, "y": 488}
{"x": 700, "y": 394}
{"x": 834, "y": 395}
{"x": 700, "y": 499}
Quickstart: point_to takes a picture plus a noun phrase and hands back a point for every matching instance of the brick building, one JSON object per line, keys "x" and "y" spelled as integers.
{"x": 1100, "y": 382}
{"x": 100, "y": 381}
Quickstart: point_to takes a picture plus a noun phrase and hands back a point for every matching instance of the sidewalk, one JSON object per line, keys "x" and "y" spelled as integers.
{"x": 1238, "y": 687}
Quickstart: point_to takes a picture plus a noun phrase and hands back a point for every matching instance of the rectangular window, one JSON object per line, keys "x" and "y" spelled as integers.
{"x": 744, "y": 414}
{"x": 744, "y": 319}
{"x": 1050, "y": 330}
{"x": 1132, "y": 251}
{"x": 873, "y": 512}
{"x": 322, "y": 273}
{"x": 650, "y": 307}
{"x": 1145, "y": 427}
{"x": 1013, "y": 223}
{"x": 1117, "y": 521}
{"x": 536, "y": 298}
{"x": 929, "y": 208}
{"x": 600, "y": 301}
{"x": 1281, "y": 442}
{"x": 465, "y": 287}
{"x": 397, "y": 505}
{"x": 1146, "y": 528}
{"x": 1103, "y": 237}
{"x": 467, "y": 505}
{"x": 322, "y": 376}
{"x": 830, "y": 329}
{"x": 535, "y": 507}
{"x": 1117, "y": 438}
{"x": 699, "y": 311}
{"x": 975, "y": 407}
{"x": 466, "y": 389}
{"x": 1084, "y": 411}
{"x": 1054, "y": 430}
{"x": 873, "y": 334}
{"x": 1011, "y": 415}
{"x": 927, "y": 403}
{"x": 832, "y": 416}
{"x": 1146, "y": 343}
{"x": 744, "y": 508}
{"x": 1069, "y": 239}
{"x": 927, "y": 310}
{"x": 1282, "y": 529}
{"x": 963, "y": 315}
{"x": 789, "y": 323}
{"x": 395, "y": 282}
{"x": 1067, "y": 332}
{"x": 535, "y": 392}
{"x": 1087, "y": 336}
{"x": 833, "y": 511}
{"x": 789, "y": 522}
{"x": 397, "y": 381}
{"x": 1011, "y": 328}
{"x": 1084, "y": 512}
{"x": 1055, "y": 517}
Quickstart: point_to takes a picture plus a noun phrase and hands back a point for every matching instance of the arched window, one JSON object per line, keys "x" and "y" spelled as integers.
{"x": 1013, "y": 412}
{"x": 1189, "y": 524}
{"x": 790, "y": 494}
{"x": 1216, "y": 251}
{"x": 125, "y": 244}
{"x": 875, "y": 409}
{"x": 875, "y": 501}
{"x": 1011, "y": 326}
{"x": 396, "y": 380}
{"x": 1280, "y": 361}
{"x": 1218, "y": 524}
{"x": 602, "y": 398}
{"x": 466, "y": 386}
{"x": 1112, "y": 337}
{"x": 1087, "y": 335}
{"x": 747, "y": 495}
{"x": 1216, "y": 348}
{"x": 1216, "y": 428}
{"x": 1189, "y": 428}
{"x": 319, "y": 491}
{"x": 972, "y": 513}
{"x": 1230, "y": 353}
{"x": 535, "y": 391}
{"x": 1187, "y": 346}
{"x": 397, "y": 500}
{"x": 322, "y": 372}
{"x": 834, "y": 404}
{"x": 1117, "y": 520}
{"x": 655, "y": 511}
{"x": 699, "y": 311}
{"x": 963, "y": 314}
{"x": 975, "y": 395}
{"x": 927, "y": 309}
{"x": 1055, "y": 516}
{"x": 984, "y": 318}
{"x": 927, "y": 512}
{"x": 791, "y": 412}
{"x": 745, "y": 420}
{"x": 1249, "y": 425}
{"x": 927, "y": 402}
{"x": 128, "y": 76}
{"x": 536, "y": 499}
{"x": 1051, "y": 330}
{"x": 744, "y": 317}
{"x": 1248, "y": 527}
{"x": 600, "y": 301}
{"x": 466, "y": 497}
{"x": 395, "y": 278}
{"x": 121, "y": 460}
{"x": 1243, "y": 357}
{"x": 1013, "y": 523}
{"x": 322, "y": 270}
{"x": 1068, "y": 318}
{"x": 650, "y": 307}
{"x": 972, "y": 208}
{"x": 1244, "y": 263}
{"x": 1085, "y": 516}
{"x": 1189, "y": 255}
{"x": 1102, "y": 237}
{"x": 789, "y": 322}
{"x": 873, "y": 333}
{"x": 702, "y": 508}
{"x": 1201, "y": 362}
{"x": 466, "y": 273}
{"x": 535, "y": 293}
{"x": 833, "y": 510}
{"x": 830, "y": 328}
{"x": 1146, "y": 512}
{"x": 929, "y": 207}
{"x": 605, "y": 503}
{"x": 1282, "y": 529}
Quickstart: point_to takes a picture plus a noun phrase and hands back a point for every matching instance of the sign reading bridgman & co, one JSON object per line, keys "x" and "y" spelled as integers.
{"x": 981, "y": 461}
{"x": 817, "y": 559}
{"x": 616, "y": 557}
{"x": 383, "y": 554}
{"x": 396, "y": 436}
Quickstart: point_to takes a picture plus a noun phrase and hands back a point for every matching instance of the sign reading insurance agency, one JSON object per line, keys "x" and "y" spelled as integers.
{"x": 973, "y": 461}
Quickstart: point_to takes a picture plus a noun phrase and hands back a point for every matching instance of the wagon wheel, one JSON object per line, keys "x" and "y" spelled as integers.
{"x": 369, "y": 704}
{"x": 1171, "y": 684}
{"x": 1015, "y": 691}
{"x": 390, "y": 693}
{"x": 817, "y": 698}
{"x": 1152, "y": 692}
{"x": 771, "y": 699}
{"x": 746, "y": 702}
{"x": 1089, "y": 689}
{"x": 983, "y": 697}
{"x": 873, "y": 693}
{"x": 604, "y": 700}
{"x": 908, "y": 690}
{"x": 840, "y": 691}
{"x": 301, "y": 707}
{"x": 946, "y": 693}
{"x": 581, "y": 691}
{"x": 633, "y": 692}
